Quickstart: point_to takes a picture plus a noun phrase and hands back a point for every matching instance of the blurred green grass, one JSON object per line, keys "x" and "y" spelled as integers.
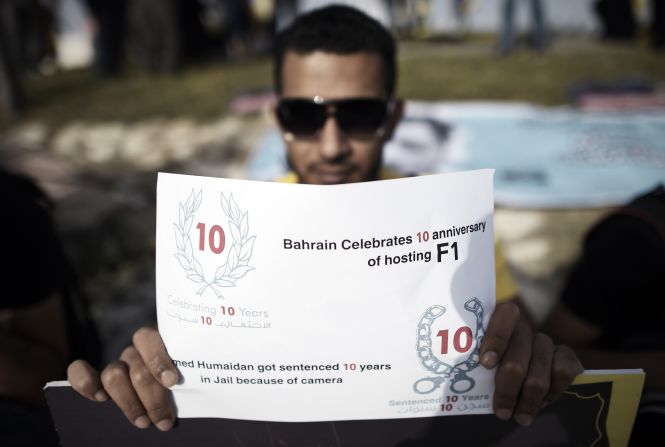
{"x": 428, "y": 71}
{"x": 523, "y": 76}
{"x": 198, "y": 92}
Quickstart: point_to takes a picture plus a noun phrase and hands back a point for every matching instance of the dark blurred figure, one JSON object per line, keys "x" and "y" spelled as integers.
{"x": 163, "y": 35}
{"x": 11, "y": 92}
{"x": 538, "y": 32}
{"x": 263, "y": 26}
{"x": 658, "y": 24}
{"x": 234, "y": 24}
{"x": 461, "y": 13}
{"x": 154, "y": 36}
{"x": 612, "y": 309}
{"x": 287, "y": 10}
{"x": 44, "y": 321}
{"x": 110, "y": 19}
{"x": 160, "y": 36}
{"x": 617, "y": 18}
{"x": 26, "y": 42}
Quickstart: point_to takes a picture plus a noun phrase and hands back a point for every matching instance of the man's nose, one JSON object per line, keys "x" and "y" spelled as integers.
{"x": 332, "y": 141}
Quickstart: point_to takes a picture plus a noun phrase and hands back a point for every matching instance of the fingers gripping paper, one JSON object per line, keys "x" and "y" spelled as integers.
{"x": 311, "y": 303}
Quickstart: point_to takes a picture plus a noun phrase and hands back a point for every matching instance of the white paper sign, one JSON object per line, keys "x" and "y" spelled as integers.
{"x": 284, "y": 302}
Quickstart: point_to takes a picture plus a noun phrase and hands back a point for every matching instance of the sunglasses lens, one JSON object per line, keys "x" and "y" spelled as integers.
{"x": 358, "y": 118}
{"x": 301, "y": 117}
{"x": 361, "y": 118}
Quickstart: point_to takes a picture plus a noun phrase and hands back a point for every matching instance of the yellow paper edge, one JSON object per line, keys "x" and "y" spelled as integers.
{"x": 626, "y": 394}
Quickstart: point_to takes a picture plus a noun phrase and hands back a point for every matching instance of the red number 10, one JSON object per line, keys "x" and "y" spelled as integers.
{"x": 457, "y": 340}
{"x": 216, "y": 238}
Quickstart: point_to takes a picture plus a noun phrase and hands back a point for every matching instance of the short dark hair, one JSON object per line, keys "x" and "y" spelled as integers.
{"x": 339, "y": 30}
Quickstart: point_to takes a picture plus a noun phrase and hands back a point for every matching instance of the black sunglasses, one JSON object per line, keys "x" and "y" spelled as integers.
{"x": 360, "y": 118}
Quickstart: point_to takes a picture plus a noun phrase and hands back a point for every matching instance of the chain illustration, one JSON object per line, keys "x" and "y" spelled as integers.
{"x": 461, "y": 382}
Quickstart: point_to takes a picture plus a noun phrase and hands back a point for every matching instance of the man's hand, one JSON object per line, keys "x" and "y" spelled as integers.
{"x": 138, "y": 382}
{"x": 532, "y": 371}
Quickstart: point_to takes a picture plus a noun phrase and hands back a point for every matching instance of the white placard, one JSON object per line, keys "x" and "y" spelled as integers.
{"x": 284, "y": 302}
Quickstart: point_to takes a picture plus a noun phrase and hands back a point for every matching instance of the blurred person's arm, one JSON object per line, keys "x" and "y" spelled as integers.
{"x": 566, "y": 327}
{"x": 611, "y": 309}
{"x": 33, "y": 349}
{"x": 506, "y": 288}
{"x": 34, "y": 343}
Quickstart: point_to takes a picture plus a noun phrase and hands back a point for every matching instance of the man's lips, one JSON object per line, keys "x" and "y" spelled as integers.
{"x": 331, "y": 175}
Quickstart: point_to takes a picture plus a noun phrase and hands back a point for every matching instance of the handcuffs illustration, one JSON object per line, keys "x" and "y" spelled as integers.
{"x": 461, "y": 382}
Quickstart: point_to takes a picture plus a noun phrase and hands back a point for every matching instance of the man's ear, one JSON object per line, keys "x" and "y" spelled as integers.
{"x": 395, "y": 118}
{"x": 270, "y": 111}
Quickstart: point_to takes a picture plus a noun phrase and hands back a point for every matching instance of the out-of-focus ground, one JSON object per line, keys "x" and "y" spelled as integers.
{"x": 96, "y": 145}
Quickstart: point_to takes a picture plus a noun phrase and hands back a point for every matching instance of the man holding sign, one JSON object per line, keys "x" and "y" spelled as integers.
{"x": 335, "y": 77}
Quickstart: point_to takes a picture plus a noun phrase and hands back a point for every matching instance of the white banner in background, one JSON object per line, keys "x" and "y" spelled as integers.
{"x": 283, "y": 302}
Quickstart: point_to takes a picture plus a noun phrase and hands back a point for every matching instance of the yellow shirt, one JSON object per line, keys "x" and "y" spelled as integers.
{"x": 506, "y": 289}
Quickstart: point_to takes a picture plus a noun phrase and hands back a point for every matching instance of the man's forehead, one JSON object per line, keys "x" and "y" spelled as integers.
{"x": 332, "y": 75}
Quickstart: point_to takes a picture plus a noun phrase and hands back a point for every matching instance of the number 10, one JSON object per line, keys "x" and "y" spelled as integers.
{"x": 216, "y": 238}
{"x": 457, "y": 340}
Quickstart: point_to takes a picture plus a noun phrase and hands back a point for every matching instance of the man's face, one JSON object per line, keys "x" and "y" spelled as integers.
{"x": 331, "y": 156}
